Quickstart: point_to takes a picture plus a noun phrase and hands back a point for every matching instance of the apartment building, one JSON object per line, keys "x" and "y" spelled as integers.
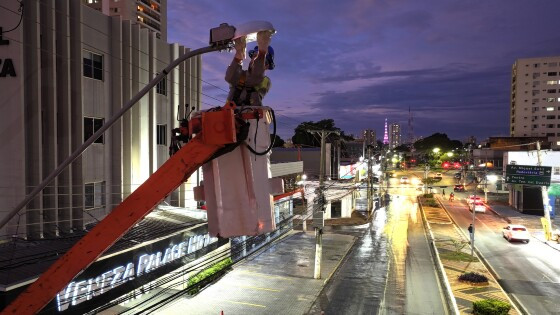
{"x": 394, "y": 135}
{"x": 150, "y": 14}
{"x": 72, "y": 68}
{"x": 369, "y": 137}
{"x": 535, "y": 99}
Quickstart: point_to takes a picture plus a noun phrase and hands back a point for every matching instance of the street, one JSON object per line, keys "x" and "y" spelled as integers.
{"x": 529, "y": 272}
{"x": 389, "y": 270}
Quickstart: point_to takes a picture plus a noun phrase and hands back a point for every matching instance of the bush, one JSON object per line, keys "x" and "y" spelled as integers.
{"x": 491, "y": 307}
{"x": 207, "y": 273}
{"x": 473, "y": 277}
{"x": 431, "y": 203}
{"x": 429, "y": 195}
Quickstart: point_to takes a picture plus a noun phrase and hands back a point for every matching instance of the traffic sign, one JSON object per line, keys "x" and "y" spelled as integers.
{"x": 528, "y": 175}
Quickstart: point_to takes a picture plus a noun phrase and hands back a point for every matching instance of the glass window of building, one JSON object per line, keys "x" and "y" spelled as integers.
{"x": 91, "y": 125}
{"x": 93, "y": 65}
{"x": 161, "y": 87}
{"x": 161, "y": 132}
{"x": 94, "y": 195}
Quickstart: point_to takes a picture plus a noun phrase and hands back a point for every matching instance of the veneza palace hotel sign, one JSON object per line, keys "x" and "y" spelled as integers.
{"x": 111, "y": 277}
{"x": 6, "y": 65}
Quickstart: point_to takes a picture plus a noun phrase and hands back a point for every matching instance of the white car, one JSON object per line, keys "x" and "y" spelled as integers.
{"x": 471, "y": 199}
{"x": 516, "y": 232}
{"x": 404, "y": 180}
{"x": 479, "y": 207}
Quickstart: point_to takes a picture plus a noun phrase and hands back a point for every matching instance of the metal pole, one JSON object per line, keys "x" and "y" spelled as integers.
{"x": 426, "y": 170}
{"x": 544, "y": 193}
{"x": 106, "y": 126}
{"x": 318, "y": 231}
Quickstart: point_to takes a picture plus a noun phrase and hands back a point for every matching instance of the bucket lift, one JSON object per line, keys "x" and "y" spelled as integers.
{"x": 209, "y": 135}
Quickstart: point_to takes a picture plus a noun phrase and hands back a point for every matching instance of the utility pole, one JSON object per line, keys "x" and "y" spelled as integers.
{"x": 318, "y": 216}
{"x": 544, "y": 192}
{"x": 369, "y": 180}
{"x": 426, "y": 170}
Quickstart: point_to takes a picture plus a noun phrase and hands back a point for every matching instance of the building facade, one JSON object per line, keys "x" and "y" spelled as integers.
{"x": 149, "y": 14}
{"x": 394, "y": 135}
{"x": 74, "y": 67}
{"x": 535, "y": 99}
{"x": 369, "y": 137}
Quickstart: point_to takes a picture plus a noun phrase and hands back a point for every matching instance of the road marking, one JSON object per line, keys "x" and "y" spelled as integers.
{"x": 264, "y": 275}
{"x": 257, "y": 288}
{"x": 245, "y": 303}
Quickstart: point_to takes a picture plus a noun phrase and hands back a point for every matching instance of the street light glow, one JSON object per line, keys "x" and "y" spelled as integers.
{"x": 449, "y": 154}
{"x": 436, "y": 150}
{"x": 303, "y": 177}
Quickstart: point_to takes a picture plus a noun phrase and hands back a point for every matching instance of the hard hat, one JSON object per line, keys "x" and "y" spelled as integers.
{"x": 269, "y": 56}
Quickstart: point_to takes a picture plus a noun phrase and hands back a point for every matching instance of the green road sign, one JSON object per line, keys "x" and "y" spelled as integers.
{"x": 528, "y": 175}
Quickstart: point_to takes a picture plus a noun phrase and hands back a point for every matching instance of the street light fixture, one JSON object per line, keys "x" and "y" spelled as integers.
{"x": 436, "y": 150}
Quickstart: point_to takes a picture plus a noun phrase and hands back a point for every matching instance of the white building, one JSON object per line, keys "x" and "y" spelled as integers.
{"x": 73, "y": 68}
{"x": 394, "y": 135}
{"x": 150, "y": 14}
{"x": 535, "y": 99}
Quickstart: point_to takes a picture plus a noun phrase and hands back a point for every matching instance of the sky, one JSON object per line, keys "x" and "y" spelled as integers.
{"x": 359, "y": 62}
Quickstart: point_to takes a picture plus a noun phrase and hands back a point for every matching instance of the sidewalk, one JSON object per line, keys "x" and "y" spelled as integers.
{"x": 532, "y": 222}
{"x": 278, "y": 280}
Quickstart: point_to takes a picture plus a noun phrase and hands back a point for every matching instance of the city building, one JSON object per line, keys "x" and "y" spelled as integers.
{"x": 369, "y": 137}
{"x": 150, "y": 14}
{"x": 74, "y": 68}
{"x": 535, "y": 99}
{"x": 394, "y": 133}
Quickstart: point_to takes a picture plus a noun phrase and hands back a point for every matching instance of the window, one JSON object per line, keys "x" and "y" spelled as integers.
{"x": 552, "y": 74}
{"x": 93, "y": 65}
{"x": 535, "y": 109}
{"x": 536, "y": 65}
{"x": 553, "y": 64}
{"x": 161, "y": 133}
{"x": 551, "y": 91}
{"x": 550, "y": 109}
{"x": 557, "y": 142}
{"x": 550, "y": 126}
{"x": 556, "y": 169}
{"x": 551, "y": 117}
{"x": 550, "y": 99}
{"x": 161, "y": 87}
{"x": 536, "y": 75}
{"x": 535, "y": 126}
{"x": 94, "y": 195}
{"x": 91, "y": 125}
{"x": 536, "y": 83}
{"x": 551, "y": 82}
{"x": 536, "y": 92}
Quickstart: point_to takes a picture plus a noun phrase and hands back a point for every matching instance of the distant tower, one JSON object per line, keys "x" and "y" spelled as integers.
{"x": 410, "y": 131}
{"x": 386, "y": 135}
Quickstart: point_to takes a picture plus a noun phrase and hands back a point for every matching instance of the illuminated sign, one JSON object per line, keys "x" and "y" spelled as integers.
{"x": 79, "y": 291}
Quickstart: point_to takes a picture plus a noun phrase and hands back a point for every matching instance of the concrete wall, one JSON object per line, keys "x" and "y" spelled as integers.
{"x": 311, "y": 158}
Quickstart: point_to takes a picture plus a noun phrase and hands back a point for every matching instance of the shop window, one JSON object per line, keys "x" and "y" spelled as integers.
{"x": 94, "y": 195}
{"x": 93, "y": 65}
{"x": 91, "y": 125}
{"x": 161, "y": 133}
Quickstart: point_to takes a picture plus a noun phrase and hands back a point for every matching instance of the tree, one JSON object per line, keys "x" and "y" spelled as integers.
{"x": 278, "y": 142}
{"x": 303, "y": 137}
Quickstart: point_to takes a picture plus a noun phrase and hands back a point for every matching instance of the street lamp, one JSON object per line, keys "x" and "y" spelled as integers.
{"x": 449, "y": 154}
{"x": 436, "y": 150}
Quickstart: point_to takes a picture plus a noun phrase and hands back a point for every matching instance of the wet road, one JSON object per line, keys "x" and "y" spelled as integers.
{"x": 389, "y": 270}
{"x": 528, "y": 272}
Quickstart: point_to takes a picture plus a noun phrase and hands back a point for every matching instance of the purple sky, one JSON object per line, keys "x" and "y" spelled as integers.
{"x": 362, "y": 61}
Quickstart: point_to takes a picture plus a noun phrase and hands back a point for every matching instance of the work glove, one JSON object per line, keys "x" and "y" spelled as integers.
{"x": 263, "y": 40}
{"x": 240, "y": 46}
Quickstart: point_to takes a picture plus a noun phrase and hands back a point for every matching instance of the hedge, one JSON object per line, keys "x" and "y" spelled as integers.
{"x": 207, "y": 273}
{"x": 491, "y": 307}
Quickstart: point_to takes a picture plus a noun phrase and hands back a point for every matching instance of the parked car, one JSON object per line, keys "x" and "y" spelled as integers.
{"x": 404, "y": 180}
{"x": 457, "y": 175}
{"x": 516, "y": 232}
{"x": 459, "y": 188}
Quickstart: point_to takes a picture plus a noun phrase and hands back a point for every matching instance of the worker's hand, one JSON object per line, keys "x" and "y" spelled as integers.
{"x": 240, "y": 46}
{"x": 263, "y": 40}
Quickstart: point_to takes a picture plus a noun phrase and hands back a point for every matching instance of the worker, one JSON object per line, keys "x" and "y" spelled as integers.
{"x": 248, "y": 87}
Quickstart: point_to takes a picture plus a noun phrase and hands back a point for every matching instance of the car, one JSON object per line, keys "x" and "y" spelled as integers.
{"x": 471, "y": 199}
{"x": 439, "y": 175}
{"x": 459, "y": 188}
{"x": 516, "y": 232}
{"x": 479, "y": 207}
{"x": 404, "y": 180}
{"x": 457, "y": 175}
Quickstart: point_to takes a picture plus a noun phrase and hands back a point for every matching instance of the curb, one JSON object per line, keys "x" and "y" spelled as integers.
{"x": 514, "y": 301}
{"x": 339, "y": 262}
{"x": 444, "y": 282}
{"x": 507, "y": 219}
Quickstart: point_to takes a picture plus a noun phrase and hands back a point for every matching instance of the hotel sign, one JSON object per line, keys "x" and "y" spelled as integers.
{"x": 7, "y": 68}
{"x": 118, "y": 272}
